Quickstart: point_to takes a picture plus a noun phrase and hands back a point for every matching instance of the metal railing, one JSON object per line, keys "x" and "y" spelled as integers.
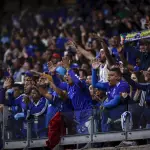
{"x": 29, "y": 141}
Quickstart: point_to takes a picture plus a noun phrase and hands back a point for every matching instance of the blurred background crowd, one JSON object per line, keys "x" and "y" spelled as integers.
{"x": 73, "y": 59}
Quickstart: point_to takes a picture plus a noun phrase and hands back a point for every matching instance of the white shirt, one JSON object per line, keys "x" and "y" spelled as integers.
{"x": 103, "y": 73}
{"x": 8, "y": 51}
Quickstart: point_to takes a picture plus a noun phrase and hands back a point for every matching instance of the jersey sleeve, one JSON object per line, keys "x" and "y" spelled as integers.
{"x": 76, "y": 79}
{"x": 96, "y": 84}
{"x": 113, "y": 103}
{"x": 143, "y": 87}
{"x": 59, "y": 84}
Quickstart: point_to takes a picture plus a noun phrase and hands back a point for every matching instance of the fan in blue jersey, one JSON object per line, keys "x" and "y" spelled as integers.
{"x": 34, "y": 105}
{"x": 56, "y": 98}
{"x": 43, "y": 85}
{"x": 114, "y": 88}
{"x": 21, "y": 100}
{"x": 79, "y": 95}
{"x": 37, "y": 108}
{"x": 98, "y": 98}
{"x": 17, "y": 105}
{"x": 15, "y": 99}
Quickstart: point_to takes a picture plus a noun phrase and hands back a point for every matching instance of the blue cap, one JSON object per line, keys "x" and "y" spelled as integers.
{"x": 29, "y": 74}
{"x": 74, "y": 66}
{"x": 61, "y": 70}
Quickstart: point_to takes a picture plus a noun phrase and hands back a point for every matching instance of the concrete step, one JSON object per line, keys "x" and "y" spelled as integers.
{"x": 142, "y": 147}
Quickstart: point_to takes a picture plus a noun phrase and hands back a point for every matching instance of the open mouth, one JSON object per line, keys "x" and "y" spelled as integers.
{"x": 109, "y": 82}
{"x": 67, "y": 80}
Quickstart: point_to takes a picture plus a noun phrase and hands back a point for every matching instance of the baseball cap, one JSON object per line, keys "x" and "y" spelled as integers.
{"x": 28, "y": 74}
{"x": 56, "y": 55}
{"x": 74, "y": 65}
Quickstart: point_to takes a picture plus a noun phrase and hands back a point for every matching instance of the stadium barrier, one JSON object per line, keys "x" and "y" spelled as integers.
{"x": 121, "y": 129}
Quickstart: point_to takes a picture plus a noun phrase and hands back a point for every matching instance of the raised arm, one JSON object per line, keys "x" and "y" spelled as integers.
{"x": 43, "y": 87}
{"x": 76, "y": 79}
{"x": 83, "y": 34}
{"x": 121, "y": 55}
{"x": 143, "y": 87}
{"x": 109, "y": 58}
{"x": 7, "y": 88}
{"x": 123, "y": 88}
{"x": 86, "y": 54}
{"x": 95, "y": 83}
{"x": 55, "y": 79}
{"x": 60, "y": 92}
{"x": 58, "y": 83}
{"x": 72, "y": 74}
{"x": 49, "y": 77}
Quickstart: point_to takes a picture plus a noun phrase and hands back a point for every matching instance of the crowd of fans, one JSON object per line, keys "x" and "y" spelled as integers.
{"x": 56, "y": 67}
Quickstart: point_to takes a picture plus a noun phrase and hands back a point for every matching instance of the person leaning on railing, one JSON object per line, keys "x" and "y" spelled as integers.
{"x": 144, "y": 87}
{"x": 114, "y": 88}
{"x": 78, "y": 93}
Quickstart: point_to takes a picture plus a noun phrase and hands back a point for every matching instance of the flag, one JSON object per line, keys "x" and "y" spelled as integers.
{"x": 56, "y": 129}
{"x": 133, "y": 36}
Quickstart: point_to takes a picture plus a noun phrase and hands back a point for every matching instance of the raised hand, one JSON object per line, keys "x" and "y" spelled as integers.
{"x": 120, "y": 48}
{"x": 82, "y": 29}
{"x": 43, "y": 81}
{"x": 124, "y": 70}
{"x": 97, "y": 37}
{"x": 9, "y": 71}
{"x": 72, "y": 44}
{"x": 35, "y": 72}
{"x": 51, "y": 67}
{"x": 49, "y": 77}
{"x": 95, "y": 64}
{"x": 7, "y": 83}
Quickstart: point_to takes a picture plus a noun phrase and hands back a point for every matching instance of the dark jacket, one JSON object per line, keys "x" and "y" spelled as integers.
{"x": 140, "y": 86}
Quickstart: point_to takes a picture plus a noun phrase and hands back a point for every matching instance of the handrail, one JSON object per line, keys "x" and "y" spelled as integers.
{"x": 73, "y": 139}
